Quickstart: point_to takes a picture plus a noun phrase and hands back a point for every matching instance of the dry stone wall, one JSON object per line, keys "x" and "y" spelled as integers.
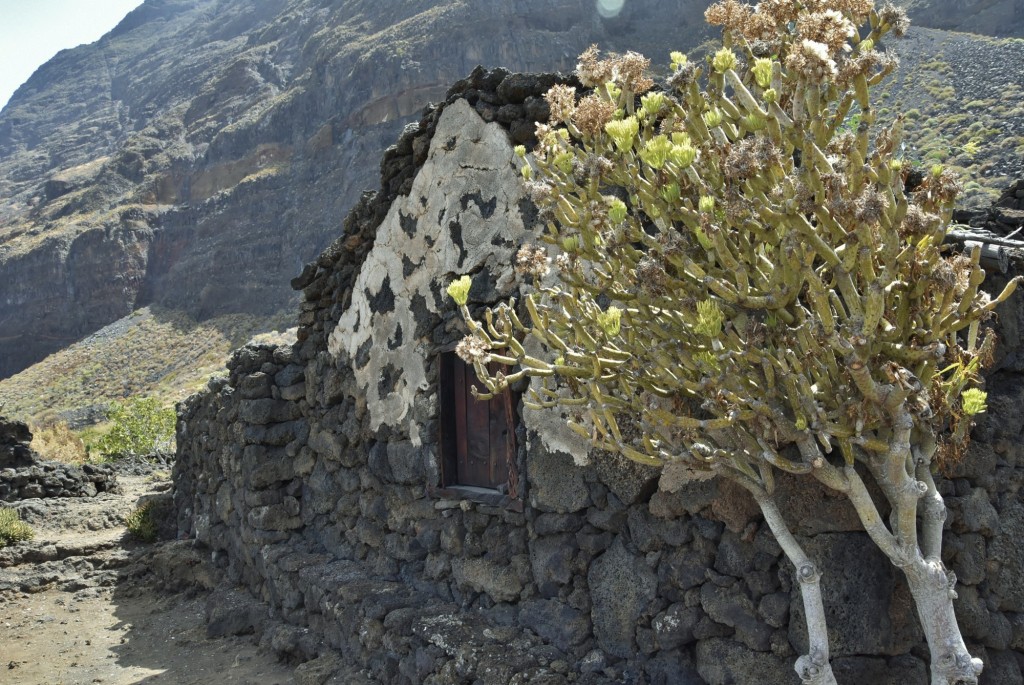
{"x": 23, "y": 475}
{"x": 308, "y": 473}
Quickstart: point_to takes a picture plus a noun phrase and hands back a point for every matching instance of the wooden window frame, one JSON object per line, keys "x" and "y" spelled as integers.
{"x": 455, "y": 412}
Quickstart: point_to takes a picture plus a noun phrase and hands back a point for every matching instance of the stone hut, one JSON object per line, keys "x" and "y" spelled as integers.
{"x": 385, "y": 529}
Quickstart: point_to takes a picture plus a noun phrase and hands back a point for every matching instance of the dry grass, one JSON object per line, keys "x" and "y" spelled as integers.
{"x": 56, "y": 442}
{"x": 286, "y": 337}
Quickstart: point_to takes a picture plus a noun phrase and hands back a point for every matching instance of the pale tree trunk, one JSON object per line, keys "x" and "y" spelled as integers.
{"x": 932, "y": 588}
{"x": 930, "y": 584}
{"x": 903, "y": 472}
{"x": 814, "y": 667}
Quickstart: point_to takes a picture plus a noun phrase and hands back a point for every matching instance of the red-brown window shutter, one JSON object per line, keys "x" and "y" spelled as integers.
{"x": 477, "y": 441}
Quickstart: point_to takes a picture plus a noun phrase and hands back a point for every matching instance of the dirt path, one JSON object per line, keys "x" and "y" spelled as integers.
{"x": 79, "y": 605}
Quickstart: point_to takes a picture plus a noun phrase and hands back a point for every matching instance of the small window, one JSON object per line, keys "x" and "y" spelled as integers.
{"x": 477, "y": 436}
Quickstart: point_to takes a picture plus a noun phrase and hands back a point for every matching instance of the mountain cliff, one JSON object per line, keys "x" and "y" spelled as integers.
{"x": 197, "y": 155}
{"x": 200, "y": 153}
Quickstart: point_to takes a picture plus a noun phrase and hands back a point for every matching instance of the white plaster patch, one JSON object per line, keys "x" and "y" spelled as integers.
{"x": 470, "y": 171}
{"x": 550, "y": 425}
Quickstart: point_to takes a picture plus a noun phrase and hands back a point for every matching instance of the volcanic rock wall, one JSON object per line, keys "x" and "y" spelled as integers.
{"x": 311, "y": 473}
{"x": 23, "y": 475}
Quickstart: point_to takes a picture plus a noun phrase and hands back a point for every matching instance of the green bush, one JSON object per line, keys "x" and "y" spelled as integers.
{"x": 141, "y": 523}
{"x": 139, "y": 426}
{"x": 12, "y": 528}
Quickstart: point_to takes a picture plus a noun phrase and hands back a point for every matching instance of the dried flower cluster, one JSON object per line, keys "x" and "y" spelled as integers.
{"x": 593, "y": 71}
{"x": 472, "y": 349}
{"x": 628, "y": 72}
{"x": 562, "y": 103}
{"x": 592, "y": 114}
{"x": 532, "y": 261}
{"x": 824, "y": 34}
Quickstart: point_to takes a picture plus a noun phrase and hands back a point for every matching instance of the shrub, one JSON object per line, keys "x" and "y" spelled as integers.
{"x": 57, "y": 442}
{"x": 12, "y": 528}
{"x": 141, "y": 522}
{"x": 140, "y": 426}
{"x": 744, "y": 286}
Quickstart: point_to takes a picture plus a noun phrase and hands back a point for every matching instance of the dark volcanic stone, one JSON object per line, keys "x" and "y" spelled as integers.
{"x": 15, "y": 438}
{"x": 555, "y": 621}
{"x": 621, "y": 585}
{"x": 882, "y": 616}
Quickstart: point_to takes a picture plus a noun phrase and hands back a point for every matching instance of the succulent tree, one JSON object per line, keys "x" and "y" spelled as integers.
{"x": 745, "y": 283}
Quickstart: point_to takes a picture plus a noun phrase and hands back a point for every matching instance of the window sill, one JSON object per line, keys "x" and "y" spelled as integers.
{"x": 478, "y": 495}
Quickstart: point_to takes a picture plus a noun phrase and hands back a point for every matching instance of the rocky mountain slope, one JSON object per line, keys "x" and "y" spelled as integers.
{"x": 201, "y": 152}
{"x": 987, "y": 17}
{"x": 153, "y": 351}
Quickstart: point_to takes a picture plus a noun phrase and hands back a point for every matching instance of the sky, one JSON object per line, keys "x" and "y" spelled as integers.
{"x": 33, "y": 31}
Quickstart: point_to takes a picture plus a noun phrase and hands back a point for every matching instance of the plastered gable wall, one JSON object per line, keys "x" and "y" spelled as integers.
{"x": 461, "y": 216}
{"x": 464, "y": 215}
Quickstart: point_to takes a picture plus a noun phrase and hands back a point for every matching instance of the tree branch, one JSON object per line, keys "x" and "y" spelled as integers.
{"x": 814, "y": 667}
{"x": 868, "y": 513}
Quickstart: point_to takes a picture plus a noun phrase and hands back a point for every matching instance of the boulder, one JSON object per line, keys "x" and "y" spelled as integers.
{"x": 622, "y": 586}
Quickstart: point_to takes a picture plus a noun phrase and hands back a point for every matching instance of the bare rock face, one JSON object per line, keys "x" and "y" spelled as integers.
{"x": 992, "y": 18}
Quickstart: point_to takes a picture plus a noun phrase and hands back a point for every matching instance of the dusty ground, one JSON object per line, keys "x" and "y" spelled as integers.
{"x": 79, "y": 604}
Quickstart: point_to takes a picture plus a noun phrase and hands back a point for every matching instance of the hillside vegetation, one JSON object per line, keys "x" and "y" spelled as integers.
{"x": 963, "y": 100}
{"x": 156, "y": 352}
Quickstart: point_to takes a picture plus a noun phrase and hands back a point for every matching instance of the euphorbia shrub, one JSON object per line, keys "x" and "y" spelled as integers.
{"x": 743, "y": 284}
